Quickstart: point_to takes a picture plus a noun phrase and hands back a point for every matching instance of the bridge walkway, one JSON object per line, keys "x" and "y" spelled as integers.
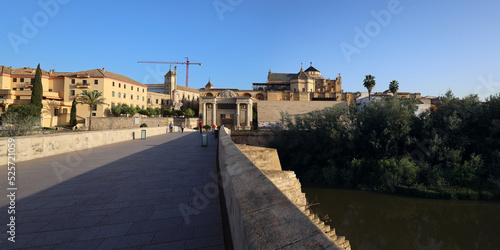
{"x": 158, "y": 193}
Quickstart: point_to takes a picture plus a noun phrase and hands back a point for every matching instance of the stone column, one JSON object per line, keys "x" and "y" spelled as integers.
{"x": 249, "y": 115}
{"x": 204, "y": 114}
{"x": 237, "y": 115}
{"x": 214, "y": 115}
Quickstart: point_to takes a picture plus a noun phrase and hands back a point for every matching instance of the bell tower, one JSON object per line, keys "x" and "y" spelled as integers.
{"x": 170, "y": 83}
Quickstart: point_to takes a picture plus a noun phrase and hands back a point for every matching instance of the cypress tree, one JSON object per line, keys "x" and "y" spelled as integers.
{"x": 37, "y": 90}
{"x": 72, "y": 117}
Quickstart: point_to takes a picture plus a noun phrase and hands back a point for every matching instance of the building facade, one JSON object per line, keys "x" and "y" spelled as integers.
{"x": 165, "y": 95}
{"x": 60, "y": 88}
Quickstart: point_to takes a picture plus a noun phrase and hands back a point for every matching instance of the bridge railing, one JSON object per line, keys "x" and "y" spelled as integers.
{"x": 260, "y": 216}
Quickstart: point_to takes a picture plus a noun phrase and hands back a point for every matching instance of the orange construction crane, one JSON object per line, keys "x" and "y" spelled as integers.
{"x": 187, "y": 62}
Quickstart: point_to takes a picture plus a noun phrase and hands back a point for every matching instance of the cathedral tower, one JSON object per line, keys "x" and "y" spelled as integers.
{"x": 170, "y": 83}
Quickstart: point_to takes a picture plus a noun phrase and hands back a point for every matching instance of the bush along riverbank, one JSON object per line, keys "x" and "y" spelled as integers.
{"x": 451, "y": 151}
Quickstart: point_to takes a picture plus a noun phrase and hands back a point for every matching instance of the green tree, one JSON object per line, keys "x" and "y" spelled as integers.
{"x": 72, "y": 116}
{"x": 150, "y": 111}
{"x": 37, "y": 90}
{"x": 369, "y": 83}
{"x": 394, "y": 86}
{"x": 20, "y": 120}
{"x": 128, "y": 110}
{"x": 91, "y": 98}
{"x": 179, "y": 112}
{"x": 189, "y": 112}
{"x": 157, "y": 111}
{"x": 116, "y": 110}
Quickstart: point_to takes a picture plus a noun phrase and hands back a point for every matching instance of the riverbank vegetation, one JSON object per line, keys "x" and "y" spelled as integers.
{"x": 451, "y": 151}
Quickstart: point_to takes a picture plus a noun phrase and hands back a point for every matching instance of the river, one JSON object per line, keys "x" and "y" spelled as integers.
{"x": 379, "y": 221}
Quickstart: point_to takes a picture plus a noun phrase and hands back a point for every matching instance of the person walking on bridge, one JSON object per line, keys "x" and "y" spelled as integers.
{"x": 200, "y": 125}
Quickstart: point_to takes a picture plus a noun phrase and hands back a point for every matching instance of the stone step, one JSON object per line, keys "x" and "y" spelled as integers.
{"x": 345, "y": 245}
{"x": 340, "y": 240}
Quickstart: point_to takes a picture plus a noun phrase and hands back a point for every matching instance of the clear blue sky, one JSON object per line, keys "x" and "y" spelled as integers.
{"x": 428, "y": 46}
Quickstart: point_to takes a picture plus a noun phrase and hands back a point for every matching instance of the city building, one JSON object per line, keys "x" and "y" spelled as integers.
{"x": 164, "y": 95}
{"x": 60, "y": 88}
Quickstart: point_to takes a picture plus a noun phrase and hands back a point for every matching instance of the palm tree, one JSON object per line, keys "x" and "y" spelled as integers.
{"x": 394, "y": 86}
{"x": 369, "y": 83}
{"x": 91, "y": 98}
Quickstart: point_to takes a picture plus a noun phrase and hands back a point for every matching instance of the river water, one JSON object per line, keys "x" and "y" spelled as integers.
{"x": 379, "y": 221}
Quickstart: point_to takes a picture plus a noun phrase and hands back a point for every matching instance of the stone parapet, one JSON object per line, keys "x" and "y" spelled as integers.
{"x": 260, "y": 215}
{"x": 100, "y": 123}
{"x": 266, "y": 159}
{"x": 38, "y": 146}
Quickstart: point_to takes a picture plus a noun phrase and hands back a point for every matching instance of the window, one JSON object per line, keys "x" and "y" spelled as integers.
{"x": 18, "y": 98}
{"x": 149, "y": 100}
{"x": 156, "y": 101}
{"x": 72, "y": 81}
{"x": 1, "y": 96}
{"x": 142, "y": 90}
{"x": 124, "y": 95}
{"x": 162, "y": 102}
{"x": 65, "y": 111}
{"x": 113, "y": 84}
{"x": 56, "y": 112}
{"x": 22, "y": 79}
{"x": 14, "y": 80}
{"x": 94, "y": 107}
{"x": 95, "y": 91}
{"x": 72, "y": 92}
{"x": 143, "y": 98}
{"x": 131, "y": 87}
{"x": 119, "y": 85}
{"x": 14, "y": 88}
{"x": 124, "y": 86}
{"x": 84, "y": 91}
{"x": 119, "y": 94}
{"x": 137, "y": 98}
{"x": 112, "y": 104}
{"x": 137, "y": 88}
{"x": 94, "y": 114}
{"x": 50, "y": 90}
{"x": 132, "y": 97}
{"x": 84, "y": 82}
{"x": 96, "y": 81}
{"x": 23, "y": 89}
{"x": 113, "y": 94}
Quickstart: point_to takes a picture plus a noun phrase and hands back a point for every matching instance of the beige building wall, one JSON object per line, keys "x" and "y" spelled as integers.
{"x": 269, "y": 112}
{"x": 60, "y": 88}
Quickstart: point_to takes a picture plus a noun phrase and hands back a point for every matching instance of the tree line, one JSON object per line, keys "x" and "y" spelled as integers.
{"x": 129, "y": 110}
{"x": 450, "y": 151}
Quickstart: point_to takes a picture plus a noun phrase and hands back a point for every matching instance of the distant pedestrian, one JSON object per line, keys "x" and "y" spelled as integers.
{"x": 182, "y": 127}
{"x": 171, "y": 127}
{"x": 213, "y": 128}
{"x": 200, "y": 125}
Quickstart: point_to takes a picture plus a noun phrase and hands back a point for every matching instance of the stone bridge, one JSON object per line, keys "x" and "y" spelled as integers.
{"x": 103, "y": 190}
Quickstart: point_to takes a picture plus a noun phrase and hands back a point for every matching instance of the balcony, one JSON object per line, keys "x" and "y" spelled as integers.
{"x": 83, "y": 85}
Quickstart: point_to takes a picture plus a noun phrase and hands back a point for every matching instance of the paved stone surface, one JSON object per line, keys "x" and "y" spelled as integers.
{"x": 157, "y": 193}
